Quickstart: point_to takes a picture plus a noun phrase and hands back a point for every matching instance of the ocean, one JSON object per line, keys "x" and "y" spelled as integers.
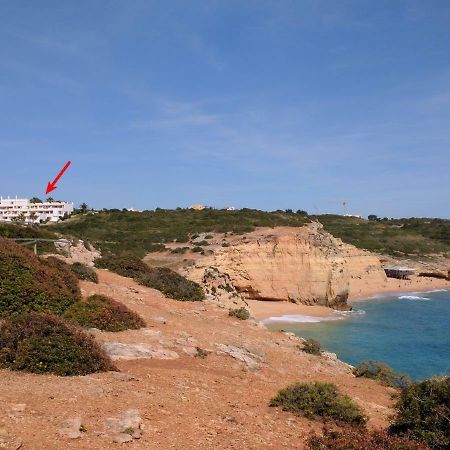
{"x": 410, "y": 332}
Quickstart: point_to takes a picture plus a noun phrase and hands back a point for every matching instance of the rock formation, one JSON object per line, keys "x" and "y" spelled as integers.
{"x": 303, "y": 265}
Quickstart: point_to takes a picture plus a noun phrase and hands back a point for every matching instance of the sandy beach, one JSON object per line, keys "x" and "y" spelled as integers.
{"x": 360, "y": 290}
{"x": 263, "y": 309}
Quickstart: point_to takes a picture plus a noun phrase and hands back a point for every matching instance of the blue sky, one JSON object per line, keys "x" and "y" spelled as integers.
{"x": 265, "y": 104}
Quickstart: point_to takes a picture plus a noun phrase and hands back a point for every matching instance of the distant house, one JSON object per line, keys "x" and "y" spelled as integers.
{"x": 231, "y": 208}
{"x": 198, "y": 207}
{"x": 22, "y": 210}
{"x": 398, "y": 272}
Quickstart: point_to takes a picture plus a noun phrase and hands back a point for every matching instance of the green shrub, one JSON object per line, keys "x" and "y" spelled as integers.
{"x": 197, "y": 249}
{"x": 319, "y": 399}
{"x": 104, "y": 313}
{"x": 29, "y": 283}
{"x": 83, "y": 272}
{"x": 171, "y": 284}
{"x": 202, "y": 243}
{"x": 382, "y": 372}
{"x": 423, "y": 413}
{"x": 181, "y": 250}
{"x": 201, "y": 353}
{"x": 66, "y": 274}
{"x": 240, "y": 313}
{"x": 125, "y": 264}
{"x": 45, "y": 343}
{"x": 312, "y": 347}
{"x": 359, "y": 438}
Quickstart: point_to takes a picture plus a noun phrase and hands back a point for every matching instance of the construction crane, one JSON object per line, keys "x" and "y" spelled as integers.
{"x": 344, "y": 204}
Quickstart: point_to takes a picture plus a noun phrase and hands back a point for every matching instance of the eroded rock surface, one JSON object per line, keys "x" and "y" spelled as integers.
{"x": 303, "y": 265}
{"x": 118, "y": 350}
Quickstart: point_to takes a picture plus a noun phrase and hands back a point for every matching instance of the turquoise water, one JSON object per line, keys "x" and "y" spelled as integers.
{"x": 410, "y": 332}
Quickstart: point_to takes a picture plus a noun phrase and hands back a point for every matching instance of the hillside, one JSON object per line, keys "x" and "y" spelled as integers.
{"x": 171, "y": 397}
{"x": 144, "y": 232}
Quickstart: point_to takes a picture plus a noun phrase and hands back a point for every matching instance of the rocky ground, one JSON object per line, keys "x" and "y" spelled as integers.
{"x": 164, "y": 396}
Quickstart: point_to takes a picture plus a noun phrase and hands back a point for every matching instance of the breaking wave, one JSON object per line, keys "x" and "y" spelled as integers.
{"x": 413, "y": 297}
{"x": 353, "y": 312}
{"x": 299, "y": 319}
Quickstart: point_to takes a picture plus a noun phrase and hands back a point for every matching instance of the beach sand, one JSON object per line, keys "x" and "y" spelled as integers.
{"x": 360, "y": 291}
{"x": 263, "y": 309}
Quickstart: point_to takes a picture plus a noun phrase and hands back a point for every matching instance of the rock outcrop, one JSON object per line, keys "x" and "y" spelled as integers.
{"x": 303, "y": 265}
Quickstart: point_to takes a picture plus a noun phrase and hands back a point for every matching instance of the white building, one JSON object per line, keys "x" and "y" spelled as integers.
{"x": 21, "y": 209}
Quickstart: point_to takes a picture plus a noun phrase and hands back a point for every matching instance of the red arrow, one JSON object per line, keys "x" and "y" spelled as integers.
{"x": 51, "y": 186}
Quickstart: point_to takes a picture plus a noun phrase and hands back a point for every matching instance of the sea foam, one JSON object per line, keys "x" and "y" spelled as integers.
{"x": 299, "y": 319}
{"x": 413, "y": 297}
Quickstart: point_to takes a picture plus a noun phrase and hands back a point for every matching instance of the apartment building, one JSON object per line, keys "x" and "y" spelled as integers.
{"x": 22, "y": 210}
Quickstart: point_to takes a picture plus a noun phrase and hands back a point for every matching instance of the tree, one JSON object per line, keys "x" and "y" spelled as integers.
{"x": 35, "y": 200}
{"x": 50, "y": 200}
{"x": 84, "y": 207}
{"x": 301, "y": 212}
{"x": 372, "y": 217}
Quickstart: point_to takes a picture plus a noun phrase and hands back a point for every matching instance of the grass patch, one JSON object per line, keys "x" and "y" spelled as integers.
{"x": 239, "y": 313}
{"x": 45, "y": 343}
{"x": 319, "y": 400}
{"x": 423, "y": 413}
{"x": 382, "y": 372}
{"x": 83, "y": 272}
{"x": 29, "y": 283}
{"x": 104, "y": 313}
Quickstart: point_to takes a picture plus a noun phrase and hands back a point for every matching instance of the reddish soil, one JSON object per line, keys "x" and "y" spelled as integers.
{"x": 216, "y": 402}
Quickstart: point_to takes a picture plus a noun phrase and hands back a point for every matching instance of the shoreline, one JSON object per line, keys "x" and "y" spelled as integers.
{"x": 263, "y": 310}
{"x": 361, "y": 292}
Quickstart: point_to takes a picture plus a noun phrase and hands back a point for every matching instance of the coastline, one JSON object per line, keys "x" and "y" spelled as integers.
{"x": 360, "y": 291}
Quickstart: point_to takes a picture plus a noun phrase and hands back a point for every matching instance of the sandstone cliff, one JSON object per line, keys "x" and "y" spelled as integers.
{"x": 304, "y": 265}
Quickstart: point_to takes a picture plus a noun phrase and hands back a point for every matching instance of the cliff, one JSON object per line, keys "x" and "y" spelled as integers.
{"x": 302, "y": 265}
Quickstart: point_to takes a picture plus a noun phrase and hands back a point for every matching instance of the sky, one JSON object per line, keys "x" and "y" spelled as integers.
{"x": 247, "y": 103}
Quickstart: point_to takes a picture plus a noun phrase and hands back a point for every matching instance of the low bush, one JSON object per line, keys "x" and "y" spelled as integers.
{"x": 382, "y": 372}
{"x": 171, "y": 284}
{"x": 29, "y": 283}
{"x": 104, "y": 313}
{"x": 66, "y": 274}
{"x": 197, "y": 249}
{"x": 240, "y": 313}
{"x": 124, "y": 264}
{"x": 361, "y": 439}
{"x": 83, "y": 272}
{"x": 312, "y": 347}
{"x": 202, "y": 243}
{"x": 45, "y": 343}
{"x": 201, "y": 353}
{"x": 179, "y": 250}
{"x": 423, "y": 413}
{"x": 319, "y": 400}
